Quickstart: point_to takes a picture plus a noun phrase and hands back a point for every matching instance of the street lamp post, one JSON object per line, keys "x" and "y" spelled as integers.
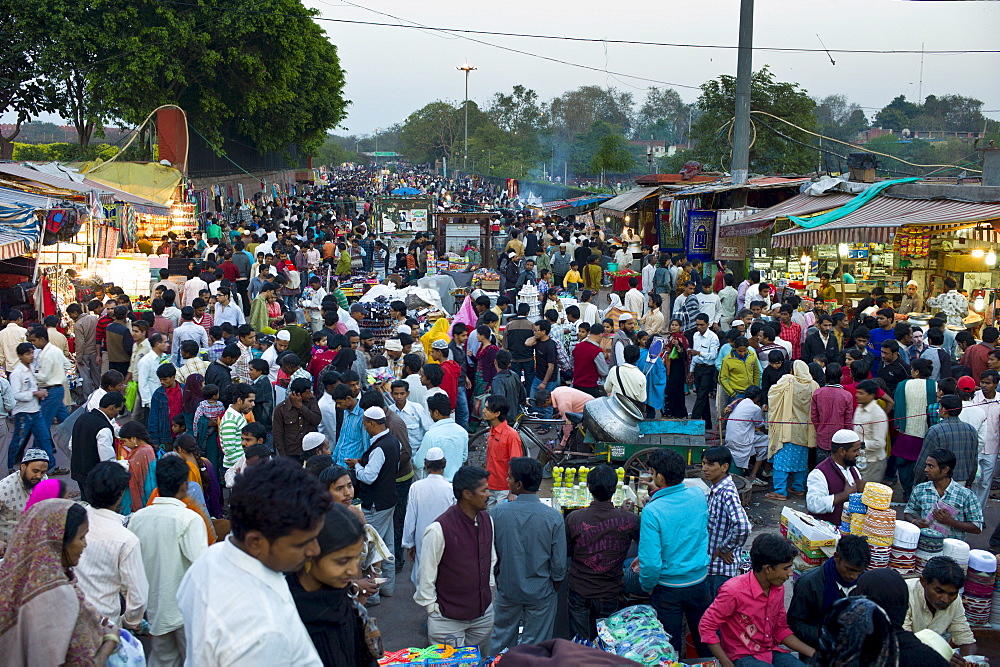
{"x": 465, "y": 154}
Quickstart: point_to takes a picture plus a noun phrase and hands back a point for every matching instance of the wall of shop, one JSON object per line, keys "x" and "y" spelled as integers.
{"x": 251, "y": 184}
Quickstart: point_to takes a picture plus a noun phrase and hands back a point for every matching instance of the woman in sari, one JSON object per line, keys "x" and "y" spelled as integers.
{"x": 200, "y": 472}
{"x": 656, "y": 375}
{"x": 194, "y": 502}
{"x": 136, "y": 448}
{"x": 44, "y": 617}
{"x": 323, "y": 591}
{"x": 607, "y": 340}
{"x": 791, "y": 433}
{"x": 47, "y": 489}
{"x": 675, "y": 358}
{"x": 486, "y": 355}
{"x": 438, "y": 332}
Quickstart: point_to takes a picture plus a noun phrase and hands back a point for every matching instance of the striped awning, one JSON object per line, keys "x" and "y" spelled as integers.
{"x": 801, "y": 204}
{"x": 11, "y": 246}
{"x": 880, "y": 219}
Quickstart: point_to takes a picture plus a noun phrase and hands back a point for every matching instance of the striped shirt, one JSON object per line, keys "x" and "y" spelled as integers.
{"x": 230, "y": 436}
{"x": 728, "y": 526}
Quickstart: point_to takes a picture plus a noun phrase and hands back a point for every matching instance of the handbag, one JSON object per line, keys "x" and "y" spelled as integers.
{"x": 131, "y": 393}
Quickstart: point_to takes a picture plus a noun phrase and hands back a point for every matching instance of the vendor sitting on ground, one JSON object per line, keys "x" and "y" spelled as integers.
{"x": 820, "y": 587}
{"x": 934, "y": 604}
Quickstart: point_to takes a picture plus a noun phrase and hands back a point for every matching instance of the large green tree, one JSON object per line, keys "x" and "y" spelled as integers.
{"x": 437, "y": 131}
{"x": 777, "y": 147}
{"x": 839, "y": 119}
{"x": 270, "y": 75}
{"x": 25, "y": 89}
{"x": 612, "y": 156}
{"x": 663, "y": 116}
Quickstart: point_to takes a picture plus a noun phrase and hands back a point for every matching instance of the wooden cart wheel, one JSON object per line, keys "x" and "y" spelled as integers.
{"x": 639, "y": 463}
{"x": 477, "y": 448}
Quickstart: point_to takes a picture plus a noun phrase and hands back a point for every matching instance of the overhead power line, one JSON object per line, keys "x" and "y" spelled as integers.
{"x": 567, "y": 38}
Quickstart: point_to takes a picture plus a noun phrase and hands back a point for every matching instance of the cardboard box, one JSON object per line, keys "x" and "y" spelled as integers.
{"x": 807, "y": 533}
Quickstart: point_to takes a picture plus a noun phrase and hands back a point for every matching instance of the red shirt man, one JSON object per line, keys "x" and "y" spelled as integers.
{"x": 502, "y": 445}
{"x": 439, "y": 353}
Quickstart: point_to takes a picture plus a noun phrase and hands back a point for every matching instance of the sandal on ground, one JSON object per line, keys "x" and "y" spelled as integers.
{"x": 798, "y": 494}
{"x": 775, "y": 496}
{"x": 759, "y": 482}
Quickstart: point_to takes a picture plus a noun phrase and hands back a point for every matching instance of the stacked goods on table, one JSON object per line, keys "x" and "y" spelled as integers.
{"x": 931, "y": 544}
{"x": 635, "y": 633}
{"x": 977, "y": 597}
{"x": 814, "y": 539}
{"x": 854, "y": 507}
{"x": 438, "y": 654}
{"x": 487, "y": 279}
{"x": 378, "y": 319}
{"x": 958, "y": 551}
{"x": 902, "y": 556}
{"x": 529, "y": 295}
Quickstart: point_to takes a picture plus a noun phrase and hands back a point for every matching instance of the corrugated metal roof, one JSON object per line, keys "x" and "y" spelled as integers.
{"x": 878, "y": 220}
{"x": 800, "y": 204}
{"x": 575, "y": 202}
{"x": 19, "y": 197}
{"x": 86, "y": 187}
{"x": 726, "y": 184}
{"x": 627, "y": 200}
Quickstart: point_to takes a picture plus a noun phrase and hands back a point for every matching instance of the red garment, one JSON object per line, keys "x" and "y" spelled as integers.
{"x": 450, "y": 382}
{"x": 230, "y": 271}
{"x": 852, "y": 389}
{"x": 745, "y": 620}
{"x": 584, "y": 369}
{"x": 102, "y": 329}
{"x": 321, "y": 357}
{"x": 175, "y": 400}
{"x": 503, "y": 444}
{"x": 792, "y": 332}
{"x": 976, "y": 356}
{"x": 832, "y": 410}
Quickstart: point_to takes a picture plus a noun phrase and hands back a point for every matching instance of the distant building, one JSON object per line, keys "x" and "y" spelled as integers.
{"x": 659, "y": 147}
{"x": 907, "y": 134}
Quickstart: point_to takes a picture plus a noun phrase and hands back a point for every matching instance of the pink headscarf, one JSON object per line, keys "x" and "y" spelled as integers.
{"x": 47, "y": 489}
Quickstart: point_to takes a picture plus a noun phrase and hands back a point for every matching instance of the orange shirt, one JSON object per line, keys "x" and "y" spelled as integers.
{"x": 503, "y": 444}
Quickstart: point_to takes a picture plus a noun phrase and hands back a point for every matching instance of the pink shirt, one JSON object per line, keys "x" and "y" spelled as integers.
{"x": 568, "y": 399}
{"x": 745, "y": 621}
{"x": 832, "y": 410}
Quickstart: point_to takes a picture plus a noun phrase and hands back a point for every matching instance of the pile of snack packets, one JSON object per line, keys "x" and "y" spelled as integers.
{"x": 636, "y": 634}
{"x": 438, "y": 654}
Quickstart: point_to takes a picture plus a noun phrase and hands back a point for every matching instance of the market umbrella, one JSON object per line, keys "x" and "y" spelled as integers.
{"x": 406, "y": 191}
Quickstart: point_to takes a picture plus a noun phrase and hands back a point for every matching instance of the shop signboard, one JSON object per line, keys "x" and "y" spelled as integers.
{"x": 700, "y": 234}
{"x": 403, "y": 215}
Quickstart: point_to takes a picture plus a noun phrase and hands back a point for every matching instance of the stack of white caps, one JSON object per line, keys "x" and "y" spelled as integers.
{"x": 906, "y": 535}
{"x": 959, "y": 552}
{"x": 982, "y": 561}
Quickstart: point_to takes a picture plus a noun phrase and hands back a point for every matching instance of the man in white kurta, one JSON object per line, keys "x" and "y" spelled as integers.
{"x": 429, "y": 498}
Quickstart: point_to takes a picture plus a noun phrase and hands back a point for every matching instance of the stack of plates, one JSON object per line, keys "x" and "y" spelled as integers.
{"x": 902, "y": 559}
{"x": 880, "y": 556}
{"x": 880, "y": 526}
{"x": 906, "y": 535}
{"x": 957, "y": 550}
{"x": 854, "y": 504}
{"x": 877, "y": 496}
{"x": 857, "y": 524}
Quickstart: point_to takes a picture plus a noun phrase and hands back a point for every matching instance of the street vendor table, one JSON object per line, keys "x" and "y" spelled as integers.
{"x": 442, "y": 284}
{"x": 620, "y": 283}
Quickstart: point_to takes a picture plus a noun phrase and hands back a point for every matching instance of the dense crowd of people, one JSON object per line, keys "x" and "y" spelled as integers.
{"x": 254, "y": 469}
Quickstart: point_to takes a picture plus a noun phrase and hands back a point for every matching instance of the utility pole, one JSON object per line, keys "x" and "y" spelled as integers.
{"x": 465, "y": 154}
{"x": 744, "y": 71}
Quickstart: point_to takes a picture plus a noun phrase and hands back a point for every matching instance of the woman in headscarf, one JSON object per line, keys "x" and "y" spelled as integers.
{"x": 888, "y": 590}
{"x": 656, "y": 375}
{"x": 192, "y": 397}
{"x": 44, "y": 617}
{"x": 200, "y": 472}
{"x": 614, "y": 301}
{"x": 856, "y": 633}
{"x": 136, "y": 448}
{"x": 346, "y": 356}
{"x": 438, "y": 332}
{"x": 325, "y": 593}
{"x": 676, "y": 360}
{"x": 791, "y": 432}
{"x": 47, "y": 489}
{"x": 486, "y": 355}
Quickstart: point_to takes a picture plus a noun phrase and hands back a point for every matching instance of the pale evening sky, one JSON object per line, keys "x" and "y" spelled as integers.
{"x": 394, "y": 71}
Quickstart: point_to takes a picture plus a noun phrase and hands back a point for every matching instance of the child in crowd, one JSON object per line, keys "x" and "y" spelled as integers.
{"x": 573, "y": 281}
{"x": 321, "y": 356}
{"x": 206, "y": 424}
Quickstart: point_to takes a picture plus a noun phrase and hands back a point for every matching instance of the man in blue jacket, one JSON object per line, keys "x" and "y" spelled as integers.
{"x": 673, "y": 549}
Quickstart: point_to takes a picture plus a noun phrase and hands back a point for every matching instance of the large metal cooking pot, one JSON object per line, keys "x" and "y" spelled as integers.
{"x": 612, "y": 419}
